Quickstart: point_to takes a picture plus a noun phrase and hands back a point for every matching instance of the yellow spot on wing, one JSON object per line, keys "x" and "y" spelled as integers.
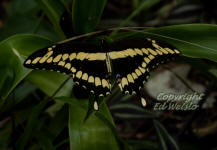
{"x": 36, "y": 60}
{"x": 79, "y": 74}
{"x": 68, "y": 65}
{"x": 81, "y": 55}
{"x": 73, "y": 69}
{"x": 117, "y": 54}
{"x": 138, "y": 51}
{"x": 177, "y": 51}
{"x": 145, "y": 51}
{"x": 151, "y": 57}
{"x": 50, "y": 48}
{"x": 124, "y": 82}
{"x": 72, "y": 56}
{"x": 130, "y": 78}
{"x": 152, "y": 51}
{"x": 163, "y": 50}
{"x": 28, "y": 61}
{"x": 159, "y": 52}
{"x": 147, "y": 60}
{"x": 156, "y": 45}
{"x": 65, "y": 56}
{"x": 130, "y": 52}
{"x": 144, "y": 65}
{"x": 49, "y": 60}
{"x": 96, "y": 56}
{"x": 105, "y": 83}
{"x": 138, "y": 72}
{"x": 142, "y": 69}
{"x": 57, "y": 58}
{"x": 97, "y": 81}
{"x": 61, "y": 63}
{"x": 124, "y": 53}
{"x": 169, "y": 50}
{"x": 45, "y": 57}
{"x": 85, "y": 76}
{"x": 159, "y": 48}
{"x": 134, "y": 75}
{"x": 91, "y": 79}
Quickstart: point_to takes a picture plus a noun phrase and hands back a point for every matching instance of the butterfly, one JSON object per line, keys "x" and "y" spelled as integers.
{"x": 92, "y": 66}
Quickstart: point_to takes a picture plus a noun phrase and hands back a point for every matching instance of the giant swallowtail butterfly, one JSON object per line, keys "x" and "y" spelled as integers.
{"x": 91, "y": 66}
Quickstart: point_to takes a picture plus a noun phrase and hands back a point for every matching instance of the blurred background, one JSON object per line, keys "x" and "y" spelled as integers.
{"x": 185, "y": 130}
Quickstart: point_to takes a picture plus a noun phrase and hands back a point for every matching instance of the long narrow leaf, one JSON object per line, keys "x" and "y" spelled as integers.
{"x": 164, "y": 132}
{"x": 44, "y": 142}
{"x": 85, "y": 19}
{"x": 53, "y": 9}
{"x": 160, "y": 136}
{"x": 146, "y": 4}
{"x": 32, "y": 121}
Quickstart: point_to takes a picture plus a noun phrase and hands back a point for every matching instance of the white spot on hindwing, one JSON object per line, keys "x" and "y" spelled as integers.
{"x": 95, "y": 106}
{"x": 143, "y": 102}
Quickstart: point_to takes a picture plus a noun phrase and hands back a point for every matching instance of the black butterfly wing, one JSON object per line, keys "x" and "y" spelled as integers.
{"x": 132, "y": 60}
{"x": 84, "y": 62}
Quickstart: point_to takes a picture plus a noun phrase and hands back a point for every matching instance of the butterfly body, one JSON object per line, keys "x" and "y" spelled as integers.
{"x": 91, "y": 66}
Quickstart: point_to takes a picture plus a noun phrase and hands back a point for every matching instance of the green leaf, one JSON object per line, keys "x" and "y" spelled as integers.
{"x": 58, "y": 122}
{"x": 49, "y": 81}
{"x": 213, "y": 72}
{"x": 32, "y": 121}
{"x": 54, "y": 10}
{"x": 21, "y": 92}
{"x": 193, "y": 40}
{"x": 160, "y": 136}
{"x": 162, "y": 133}
{"x": 17, "y": 18}
{"x": 110, "y": 124}
{"x": 145, "y": 5}
{"x": 5, "y": 133}
{"x": 84, "y": 18}
{"x": 202, "y": 66}
{"x": 26, "y": 20}
{"x": 44, "y": 142}
{"x": 91, "y": 134}
{"x": 12, "y": 54}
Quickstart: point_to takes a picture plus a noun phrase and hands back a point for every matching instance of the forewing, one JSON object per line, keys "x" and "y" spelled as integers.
{"x": 84, "y": 62}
